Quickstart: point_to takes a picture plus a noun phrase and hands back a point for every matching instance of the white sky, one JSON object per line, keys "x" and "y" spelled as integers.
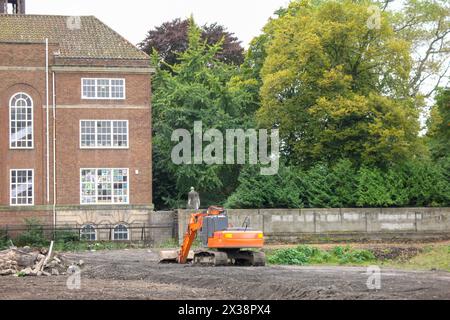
{"x": 133, "y": 18}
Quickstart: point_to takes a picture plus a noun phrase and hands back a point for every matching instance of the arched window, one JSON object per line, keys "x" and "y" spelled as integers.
{"x": 88, "y": 233}
{"x": 121, "y": 232}
{"x": 21, "y": 121}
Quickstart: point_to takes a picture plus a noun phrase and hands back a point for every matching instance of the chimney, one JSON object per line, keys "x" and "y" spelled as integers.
{"x": 12, "y": 6}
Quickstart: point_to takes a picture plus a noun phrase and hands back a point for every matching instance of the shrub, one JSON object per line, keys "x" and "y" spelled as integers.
{"x": 288, "y": 256}
{"x": 347, "y": 255}
{"x": 65, "y": 236}
{"x": 33, "y": 236}
{"x": 372, "y": 189}
{"x": 414, "y": 183}
{"x": 256, "y": 191}
{"x": 304, "y": 255}
{"x": 3, "y": 240}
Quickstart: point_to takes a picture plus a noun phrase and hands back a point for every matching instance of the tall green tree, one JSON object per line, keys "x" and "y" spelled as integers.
{"x": 336, "y": 87}
{"x": 438, "y": 135}
{"x": 197, "y": 88}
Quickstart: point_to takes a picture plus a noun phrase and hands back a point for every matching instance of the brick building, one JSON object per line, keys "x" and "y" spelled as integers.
{"x": 75, "y": 124}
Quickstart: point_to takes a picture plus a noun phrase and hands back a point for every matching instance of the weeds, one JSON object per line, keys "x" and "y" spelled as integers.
{"x": 33, "y": 236}
{"x": 304, "y": 255}
{"x": 3, "y": 240}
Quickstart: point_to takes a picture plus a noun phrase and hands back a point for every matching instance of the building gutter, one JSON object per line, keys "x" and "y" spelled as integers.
{"x": 47, "y": 120}
{"x": 54, "y": 148}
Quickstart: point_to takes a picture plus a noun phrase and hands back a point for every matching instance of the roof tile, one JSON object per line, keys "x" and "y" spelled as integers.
{"x": 93, "y": 39}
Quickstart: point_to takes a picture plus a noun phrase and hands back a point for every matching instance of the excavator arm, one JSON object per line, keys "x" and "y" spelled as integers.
{"x": 195, "y": 224}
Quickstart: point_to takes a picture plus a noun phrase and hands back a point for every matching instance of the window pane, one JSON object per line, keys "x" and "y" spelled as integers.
{"x": 121, "y": 232}
{"x": 89, "y": 88}
{"x": 120, "y": 133}
{"x": 104, "y": 133}
{"x": 88, "y": 183}
{"x": 21, "y": 121}
{"x": 102, "y": 88}
{"x": 87, "y": 133}
{"x": 120, "y": 179}
{"x": 104, "y": 186}
{"x": 21, "y": 187}
{"x": 88, "y": 233}
{"x": 117, "y": 88}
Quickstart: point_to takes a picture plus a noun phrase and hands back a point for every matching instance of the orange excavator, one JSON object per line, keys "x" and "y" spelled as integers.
{"x": 222, "y": 245}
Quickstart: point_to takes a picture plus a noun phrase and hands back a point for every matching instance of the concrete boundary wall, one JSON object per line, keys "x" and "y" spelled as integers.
{"x": 351, "y": 224}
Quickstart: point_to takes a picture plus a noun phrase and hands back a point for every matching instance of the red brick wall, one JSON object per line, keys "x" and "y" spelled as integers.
{"x": 70, "y": 158}
{"x": 17, "y": 218}
{"x": 32, "y": 83}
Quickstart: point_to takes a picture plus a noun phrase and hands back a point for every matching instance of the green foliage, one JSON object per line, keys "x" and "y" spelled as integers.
{"x": 33, "y": 236}
{"x": 414, "y": 183}
{"x": 347, "y": 255}
{"x": 304, "y": 255}
{"x": 345, "y": 97}
{"x": 3, "y": 240}
{"x": 427, "y": 183}
{"x": 439, "y": 128}
{"x": 257, "y": 191}
{"x": 65, "y": 236}
{"x": 372, "y": 190}
{"x": 198, "y": 88}
{"x": 335, "y": 88}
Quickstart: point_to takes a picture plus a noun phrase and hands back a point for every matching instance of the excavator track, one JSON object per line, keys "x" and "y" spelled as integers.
{"x": 229, "y": 257}
{"x": 247, "y": 258}
{"x": 210, "y": 258}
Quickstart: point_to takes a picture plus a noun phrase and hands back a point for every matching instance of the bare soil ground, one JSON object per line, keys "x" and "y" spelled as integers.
{"x": 135, "y": 274}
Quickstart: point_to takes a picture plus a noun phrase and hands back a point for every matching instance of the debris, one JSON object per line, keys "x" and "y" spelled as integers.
{"x": 33, "y": 262}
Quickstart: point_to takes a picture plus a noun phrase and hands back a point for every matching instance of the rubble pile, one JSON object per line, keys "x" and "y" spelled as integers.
{"x": 32, "y": 262}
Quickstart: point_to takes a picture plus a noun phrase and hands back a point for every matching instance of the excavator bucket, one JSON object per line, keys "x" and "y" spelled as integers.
{"x": 171, "y": 256}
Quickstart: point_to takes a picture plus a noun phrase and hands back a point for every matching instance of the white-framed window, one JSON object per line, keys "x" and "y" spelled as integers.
{"x": 88, "y": 233}
{"x": 103, "y": 88}
{"x": 104, "y": 186}
{"x": 121, "y": 232}
{"x": 21, "y": 121}
{"x": 110, "y": 134}
{"x": 21, "y": 187}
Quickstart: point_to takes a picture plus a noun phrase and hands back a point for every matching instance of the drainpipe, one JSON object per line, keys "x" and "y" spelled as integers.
{"x": 47, "y": 122}
{"x": 54, "y": 149}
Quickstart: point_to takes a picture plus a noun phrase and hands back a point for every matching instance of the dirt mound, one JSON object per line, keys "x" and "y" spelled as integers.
{"x": 400, "y": 254}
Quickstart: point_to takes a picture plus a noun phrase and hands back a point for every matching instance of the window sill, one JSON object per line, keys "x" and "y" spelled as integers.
{"x": 104, "y": 148}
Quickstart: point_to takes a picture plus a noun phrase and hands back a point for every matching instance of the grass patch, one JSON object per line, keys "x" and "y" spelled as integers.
{"x": 307, "y": 255}
{"x": 431, "y": 258}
